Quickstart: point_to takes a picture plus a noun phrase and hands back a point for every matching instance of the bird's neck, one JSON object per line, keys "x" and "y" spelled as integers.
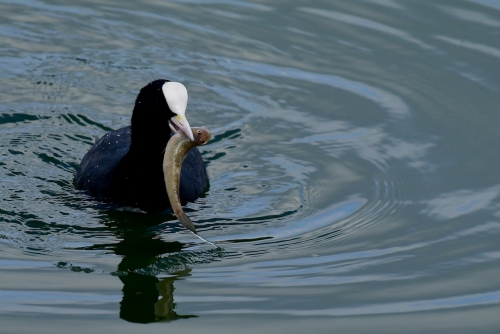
{"x": 148, "y": 144}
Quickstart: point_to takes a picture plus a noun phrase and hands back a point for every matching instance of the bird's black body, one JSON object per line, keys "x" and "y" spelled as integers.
{"x": 125, "y": 165}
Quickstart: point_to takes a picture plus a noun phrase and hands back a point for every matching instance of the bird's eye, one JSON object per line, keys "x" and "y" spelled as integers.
{"x": 198, "y": 132}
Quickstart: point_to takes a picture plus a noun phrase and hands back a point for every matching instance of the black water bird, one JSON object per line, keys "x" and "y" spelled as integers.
{"x": 125, "y": 165}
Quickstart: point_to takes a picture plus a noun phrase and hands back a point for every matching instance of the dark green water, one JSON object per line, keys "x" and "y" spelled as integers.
{"x": 355, "y": 183}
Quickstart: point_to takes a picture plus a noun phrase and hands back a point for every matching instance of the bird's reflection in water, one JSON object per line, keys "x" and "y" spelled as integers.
{"x": 148, "y": 299}
{"x": 145, "y": 297}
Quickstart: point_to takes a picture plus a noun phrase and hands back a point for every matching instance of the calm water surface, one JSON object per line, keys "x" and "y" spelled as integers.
{"x": 355, "y": 181}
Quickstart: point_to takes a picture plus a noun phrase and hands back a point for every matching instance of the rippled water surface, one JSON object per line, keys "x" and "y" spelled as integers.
{"x": 354, "y": 171}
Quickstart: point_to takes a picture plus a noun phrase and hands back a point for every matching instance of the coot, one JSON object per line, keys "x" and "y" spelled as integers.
{"x": 125, "y": 165}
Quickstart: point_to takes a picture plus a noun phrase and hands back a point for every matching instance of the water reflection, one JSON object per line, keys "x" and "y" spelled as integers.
{"x": 145, "y": 297}
{"x": 140, "y": 301}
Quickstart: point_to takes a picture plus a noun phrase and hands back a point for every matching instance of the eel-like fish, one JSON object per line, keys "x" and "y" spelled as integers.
{"x": 177, "y": 148}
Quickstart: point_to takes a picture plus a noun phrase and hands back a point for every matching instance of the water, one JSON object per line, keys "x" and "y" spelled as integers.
{"x": 354, "y": 169}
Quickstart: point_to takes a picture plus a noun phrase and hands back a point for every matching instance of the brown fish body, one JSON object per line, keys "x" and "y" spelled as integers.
{"x": 175, "y": 152}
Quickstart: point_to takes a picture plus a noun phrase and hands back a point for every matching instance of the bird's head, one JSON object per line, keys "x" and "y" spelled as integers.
{"x": 159, "y": 103}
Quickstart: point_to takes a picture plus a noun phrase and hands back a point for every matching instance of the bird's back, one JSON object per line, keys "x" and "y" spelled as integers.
{"x": 99, "y": 171}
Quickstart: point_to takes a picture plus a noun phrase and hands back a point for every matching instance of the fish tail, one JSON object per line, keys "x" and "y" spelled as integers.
{"x": 186, "y": 222}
